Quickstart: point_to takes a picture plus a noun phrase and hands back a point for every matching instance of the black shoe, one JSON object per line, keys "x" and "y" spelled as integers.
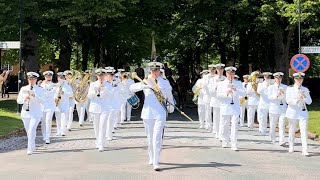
{"x": 81, "y": 125}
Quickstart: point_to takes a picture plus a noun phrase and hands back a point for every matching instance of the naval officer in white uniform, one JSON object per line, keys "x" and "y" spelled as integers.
{"x": 297, "y": 96}
{"x": 31, "y": 97}
{"x": 154, "y": 112}
{"x": 228, "y": 93}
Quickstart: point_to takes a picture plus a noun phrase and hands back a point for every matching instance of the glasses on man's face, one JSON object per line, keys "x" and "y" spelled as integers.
{"x": 298, "y": 78}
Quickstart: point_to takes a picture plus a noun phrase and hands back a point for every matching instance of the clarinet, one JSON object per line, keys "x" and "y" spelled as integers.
{"x": 99, "y": 90}
{"x": 28, "y": 107}
{"x": 232, "y": 94}
{"x": 281, "y": 103}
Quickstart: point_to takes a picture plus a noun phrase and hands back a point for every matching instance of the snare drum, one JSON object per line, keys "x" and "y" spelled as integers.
{"x": 133, "y": 100}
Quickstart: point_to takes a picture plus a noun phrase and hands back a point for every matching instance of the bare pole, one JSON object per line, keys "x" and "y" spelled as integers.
{"x": 299, "y": 25}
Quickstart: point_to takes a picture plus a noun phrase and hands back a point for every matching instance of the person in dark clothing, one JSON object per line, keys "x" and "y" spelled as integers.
{"x": 140, "y": 73}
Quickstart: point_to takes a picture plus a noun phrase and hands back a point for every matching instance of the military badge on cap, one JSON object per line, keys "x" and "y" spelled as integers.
{"x": 48, "y": 73}
{"x": 99, "y": 71}
{"x": 60, "y": 74}
{"x": 110, "y": 70}
{"x": 278, "y": 74}
{"x": 298, "y": 75}
{"x": 220, "y": 66}
{"x": 230, "y": 68}
{"x": 246, "y": 76}
{"x": 154, "y": 65}
{"x": 67, "y": 72}
{"x": 32, "y": 75}
{"x": 267, "y": 74}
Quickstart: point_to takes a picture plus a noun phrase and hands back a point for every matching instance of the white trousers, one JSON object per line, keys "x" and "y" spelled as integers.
{"x": 70, "y": 116}
{"x": 112, "y": 120}
{"x": 262, "y": 115}
{"x": 216, "y": 121}
{"x": 251, "y": 114}
{"x": 242, "y": 114}
{"x": 225, "y": 130}
{"x": 100, "y": 126}
{"x": 303, "y": 124}
{"x": 154, "y": 131}
{"x": 201, "y": 114}
{"x": 46, "y": 124}
{"x": 117, "y": 117}
{"x": 126, "y": 109}
{"x": 274, "y": 119}
{"x": 61, "y": 121}
{"x": 81, "y": 109}
{"x": 30, "y": 125}
{"x": 208, "y": 116}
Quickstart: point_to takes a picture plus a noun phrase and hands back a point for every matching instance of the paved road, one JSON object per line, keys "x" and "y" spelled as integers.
{"x": 188, "y": 153}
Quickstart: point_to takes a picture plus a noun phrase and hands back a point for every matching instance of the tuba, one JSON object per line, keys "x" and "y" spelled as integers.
{"x": 253, "y": 80}
{"x": 82, "y": 89}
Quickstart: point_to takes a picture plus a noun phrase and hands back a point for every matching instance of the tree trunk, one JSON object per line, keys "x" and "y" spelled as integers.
{"x": 65, "y": 51}
{"x": 97, "y": 47}
{"x": 29, "y": 51}
{"x": 244, "y": 53}
{"x": 222, "y": 51}
{"x": 85, "y": 55}
{"x": 281, "y": 52}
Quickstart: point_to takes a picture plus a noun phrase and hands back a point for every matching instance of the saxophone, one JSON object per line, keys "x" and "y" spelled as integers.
{"x": 58, "y": 99}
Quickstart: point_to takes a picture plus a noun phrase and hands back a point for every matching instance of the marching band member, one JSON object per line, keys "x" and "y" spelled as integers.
{"x": 263, "y": 106}
{"x": 278, "y": 107}
{"x": 49, "y": 105}
{"x": 253, "y": 98}
{"x": 198, "y": 91}
{"x": 154, "y": 110}
{"x": 31, "y": 97}
{"x": 100, "y": 93}
{"x": 126, "y": 107}
{"x": 243, "y": 100}
{"x": 207, "y": 96}
{"x": 114, "y": 110}
{"x": 81, "y": 107}
{"x": 68, "y": 75}
{"x": 297, "y": 97}
{"x": 214, "y": 101}
{"x": 228, "y": 93}
{"x": 62, "y": 95}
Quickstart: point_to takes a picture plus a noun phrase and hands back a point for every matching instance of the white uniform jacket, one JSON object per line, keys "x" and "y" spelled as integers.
{"x": 50, "y": 91}
{"x": 244, "y": 85}
{"x": 295, "y": 107}
{"x": 34, "y": 104}
{"x": 226, "y": 108}
{"x": 63, "y": 106}
{"x": 253, "y": 98}
{"x": 213, "y": 86}
{"x": 263, "y": 91}
{"x": 102, "y": 103}
{"x": 152, "y": 109}
{"x": 275, "y": 100}
{"x": 120, "y": 95}
{"x": 206, "y": 85}
{"x": 198, "y": 88}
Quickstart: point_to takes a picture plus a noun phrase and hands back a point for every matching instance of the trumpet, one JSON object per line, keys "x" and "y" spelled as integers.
{"x": 302, "y": 95}
{"x": 280, "y": 94}
{"x": 28, "y": 105}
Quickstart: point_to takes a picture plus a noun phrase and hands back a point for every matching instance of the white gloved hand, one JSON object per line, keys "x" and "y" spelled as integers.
{"x": 171, "y": 109}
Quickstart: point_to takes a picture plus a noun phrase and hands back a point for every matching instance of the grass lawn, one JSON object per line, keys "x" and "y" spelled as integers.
{"x": 314, "y": 117}
{"x": 9, "y": 119}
